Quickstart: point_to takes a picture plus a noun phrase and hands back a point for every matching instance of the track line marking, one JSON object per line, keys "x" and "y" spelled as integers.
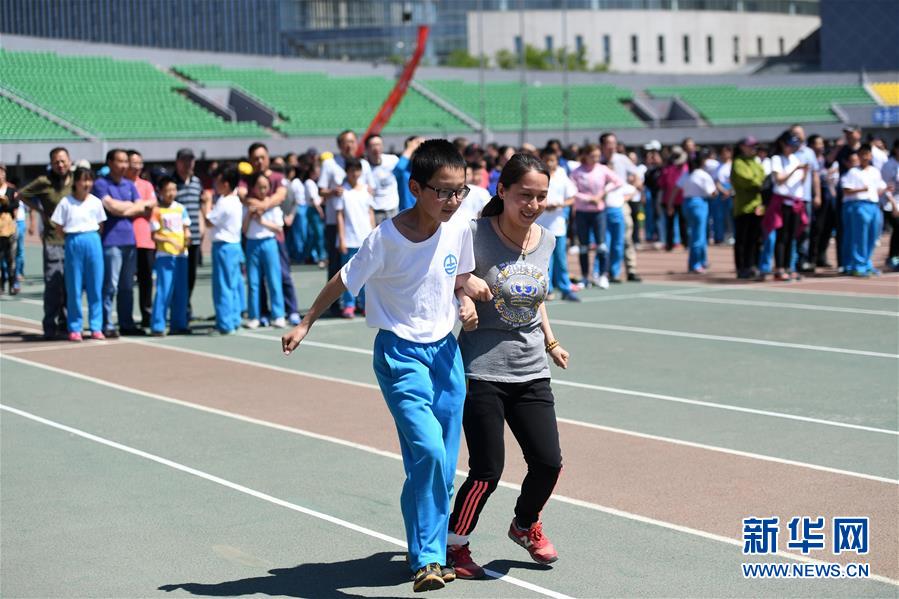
{"x": 764, "y": 304}
{"x": 706, "y": 337}
{"x": 631, "y": 392}
{"x": 569, "y": 421}
{"x": 259, "y": 494}
{"x": 786, "y": 288}
{"x": 560, "y": 498}
{"x": 646, "y": 394}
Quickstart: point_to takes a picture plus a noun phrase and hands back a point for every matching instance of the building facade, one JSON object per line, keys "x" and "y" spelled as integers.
{"x": 646, "y": 41}
{"x": 373, "y": 30}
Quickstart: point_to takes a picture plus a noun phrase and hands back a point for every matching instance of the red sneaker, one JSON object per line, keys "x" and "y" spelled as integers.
{"x": 459, "y": 557}
{"x": 98, "y": 336}
{"x": 74, "y": 336}
{"x": 348, "y": 313}
{"x": 532, "y": 539}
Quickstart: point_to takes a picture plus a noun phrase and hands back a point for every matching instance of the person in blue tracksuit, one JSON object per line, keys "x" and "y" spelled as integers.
{"x": 225, "y": 221}
{"x": 81, "y": 216}
{"x": 170, "y": 225}
{"x": 862, "y": 187}
{"x": 263, "y": 259}
{"x": 697, "y": 186}
{"x": 412, "y": 265}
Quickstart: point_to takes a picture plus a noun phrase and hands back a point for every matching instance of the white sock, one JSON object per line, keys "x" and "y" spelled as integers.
{"x": 454, "y": 539}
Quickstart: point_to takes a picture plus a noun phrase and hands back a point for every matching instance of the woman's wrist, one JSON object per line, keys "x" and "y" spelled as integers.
{"x": 551, "y": 345}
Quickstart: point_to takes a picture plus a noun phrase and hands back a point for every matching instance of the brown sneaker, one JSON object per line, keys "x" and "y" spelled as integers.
{"x": 429, "y": 578}
{"x": 459, "y": 556}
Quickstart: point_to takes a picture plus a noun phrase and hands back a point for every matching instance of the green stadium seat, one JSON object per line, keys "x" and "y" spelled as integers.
{"x": 589, "y": 106}
{"x": 18, "y": 124}
{"x": 114, "y": 99}
{"x": 318, "y": 104}
{"x": 732, "y": 105}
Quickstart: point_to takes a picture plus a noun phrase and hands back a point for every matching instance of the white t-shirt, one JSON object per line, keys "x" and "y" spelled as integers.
{"x": 806, "y": 155}
{"x": 410, "y": 287}
{"x": 869, "y": 178}
{"x": 472, "y": 205}
{"x": 273, "y": 216}
{"x": 226, "y": 217}
{"x": 793, "y": 187}
{"x": 722, "y": 175}
{"x": 698, "y": 184}
{"x": 711, "y": 166}
{"x": 332, "y": 176}
{"x": 296, "y": 193}
{"x": 878, "y": 157}
{"x": 79, "y": 217}
{"x": 890, "y": 174}
{"x": 387, "y": 195}
{"x": 615, "y": 198}
{"x": 355, "y": 204}
{"x": 561, "y": 187}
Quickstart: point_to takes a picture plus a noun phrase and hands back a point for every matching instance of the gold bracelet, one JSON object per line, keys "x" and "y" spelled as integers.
{"x": 552, "y": 345}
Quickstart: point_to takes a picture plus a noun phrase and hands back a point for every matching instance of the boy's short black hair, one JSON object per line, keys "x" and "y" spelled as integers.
{"x": 866, "y": 147}
{"x": 165, "y": 180}
{"x": 433, "y": 155}
{"x": 255, "y": 146}
{"x": 353, "y": 164}
{"x": 229, "y": 175}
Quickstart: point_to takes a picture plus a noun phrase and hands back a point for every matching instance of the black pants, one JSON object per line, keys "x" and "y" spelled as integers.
{"x": 8, "y": 256}
{"x": 54, "y": 322}
{"x": 333, "y": 258}
{"x": 747, "y": 241}
{"x": 529, "y": 409}
{"x": 824, "y": 219}
{"x": 146, "y": 258}
{"x": 893, "y": 219}
{"x": 669, "y": 228}
{"x": 194, "y": 257}
{"x": 786, "y": 235}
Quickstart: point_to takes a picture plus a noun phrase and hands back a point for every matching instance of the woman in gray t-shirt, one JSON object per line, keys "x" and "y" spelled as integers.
{"x": 506, "y": 365}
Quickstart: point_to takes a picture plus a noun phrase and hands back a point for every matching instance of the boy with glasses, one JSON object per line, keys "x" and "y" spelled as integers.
{"x": 412, "y": 266}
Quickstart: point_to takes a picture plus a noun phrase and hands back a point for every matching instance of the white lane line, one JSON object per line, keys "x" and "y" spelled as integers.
{"x": 259, "y": 494}
{"x": 725, "y": 338}
{"x": 572, "y": 422}
{"x": 617, "y": 390}
{"x": 764, "y": 304}
{"x": 356, "y": 350}
{"x": 786, "y": 288}
{"x": 627, "y": 296}
{"x": 395, "y": 456}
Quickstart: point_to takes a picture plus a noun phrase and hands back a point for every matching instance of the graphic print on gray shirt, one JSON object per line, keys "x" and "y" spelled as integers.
{"x": 508, "y": 345}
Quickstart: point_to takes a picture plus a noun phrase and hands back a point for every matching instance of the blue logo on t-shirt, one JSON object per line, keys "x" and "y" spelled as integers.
{"x": 450, "y": 263}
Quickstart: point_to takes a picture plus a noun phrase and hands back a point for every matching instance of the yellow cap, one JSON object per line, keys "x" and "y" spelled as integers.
{"x": 245, "y": 168}
{"x": 327, "y": 155}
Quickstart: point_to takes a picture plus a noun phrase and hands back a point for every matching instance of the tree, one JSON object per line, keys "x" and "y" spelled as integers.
{"x": 505, "y": 59}
{"x": 461, "y": 58}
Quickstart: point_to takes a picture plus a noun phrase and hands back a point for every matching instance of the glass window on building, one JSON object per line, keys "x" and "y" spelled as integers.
{"x": 710, "y": 49}
{"x": 781, "y": 46}
{"x": 549, "y": 43}
{"x": 519, "y": 47}
{"x": 607, "y": 49}
{"x": 579, "y": 43}
{"x": 736, "y": 49}
{"x": 759, "y": 46}
{"x": 661, "y": 44}
{"x": 635, "y": 49}
{"x": 686, "y": 49}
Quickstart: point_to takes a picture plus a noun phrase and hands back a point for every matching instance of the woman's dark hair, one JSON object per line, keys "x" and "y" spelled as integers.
{"x": 433, "y": 155}
{"x": 254, "y": 178}
{"x": 782, "y": 142}
{"x": 515, "y": 169}
{"x": 82, "y": 173}
{"x": 307, "y": 165}
{"x": 698, "y": 159}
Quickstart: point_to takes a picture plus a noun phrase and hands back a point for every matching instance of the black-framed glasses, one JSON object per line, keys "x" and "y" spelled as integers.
{"x": 446, "y": 194}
